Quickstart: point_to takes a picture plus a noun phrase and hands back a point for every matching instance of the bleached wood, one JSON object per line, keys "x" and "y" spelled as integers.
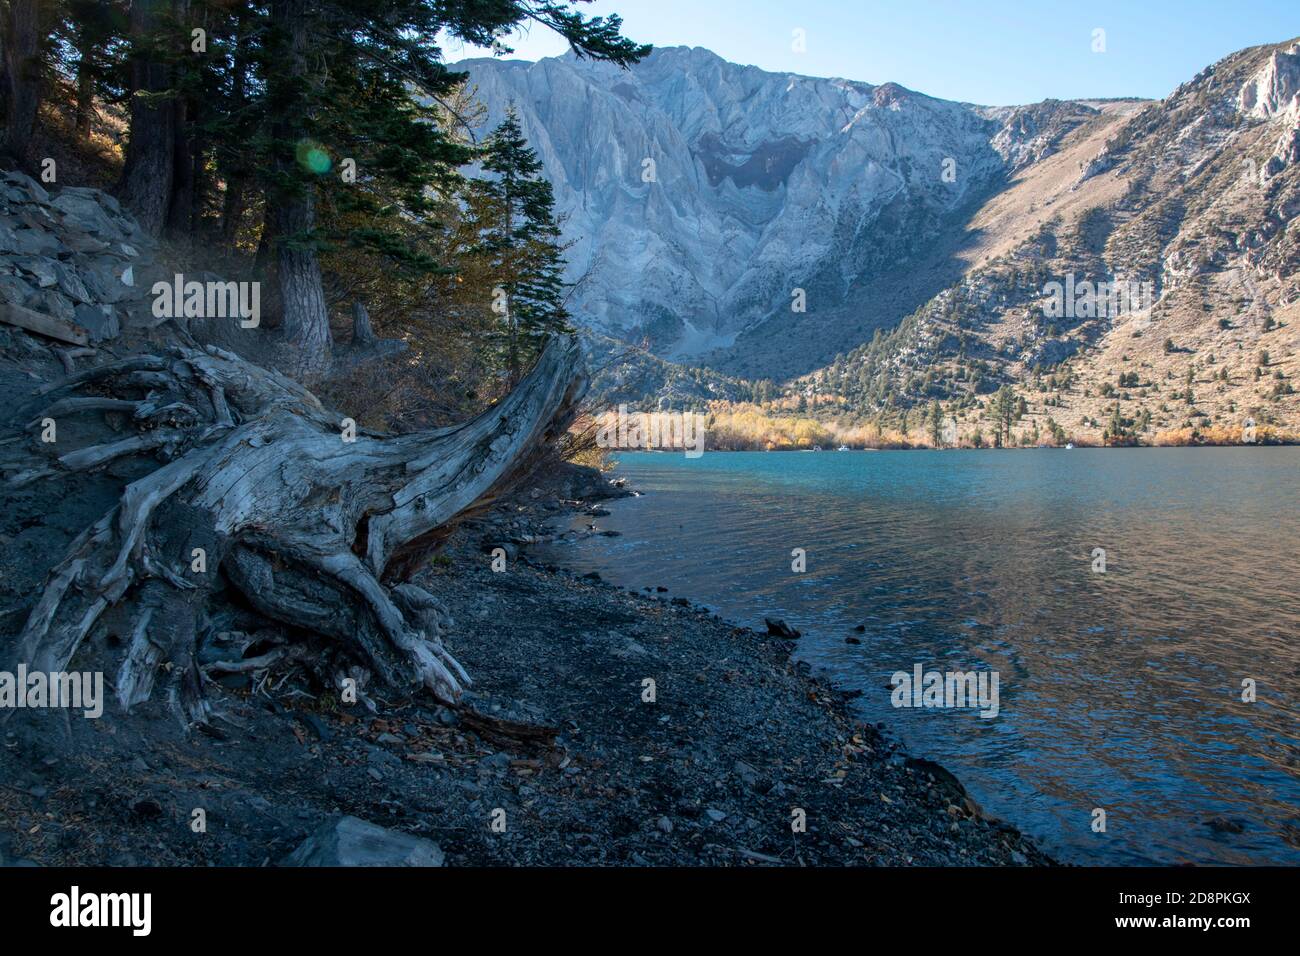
{"x": 307, "y": 525}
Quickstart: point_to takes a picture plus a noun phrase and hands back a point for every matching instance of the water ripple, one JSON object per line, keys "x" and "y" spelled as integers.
{"x": 1119, "y": 690}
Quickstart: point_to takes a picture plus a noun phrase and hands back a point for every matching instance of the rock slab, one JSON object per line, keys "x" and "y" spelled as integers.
{"x": 349, "y": 841}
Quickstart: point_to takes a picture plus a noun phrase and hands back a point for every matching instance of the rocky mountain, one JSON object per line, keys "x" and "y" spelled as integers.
{"x": 885, "y": 249}
{"x": 1193, "y": 200}
{"x": 707, "y": 200}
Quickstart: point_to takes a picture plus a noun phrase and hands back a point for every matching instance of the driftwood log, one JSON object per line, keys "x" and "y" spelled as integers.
{"x": 300, "y": 519}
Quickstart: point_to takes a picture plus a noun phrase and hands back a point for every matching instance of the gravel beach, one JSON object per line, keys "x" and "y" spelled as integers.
{"x": 604, "y": 728}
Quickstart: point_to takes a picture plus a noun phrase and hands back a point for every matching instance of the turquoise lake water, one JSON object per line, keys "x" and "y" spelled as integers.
{"x": 1119, "y": 690}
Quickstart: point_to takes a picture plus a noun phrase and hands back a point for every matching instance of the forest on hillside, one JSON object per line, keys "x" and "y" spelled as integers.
{"x": 269, "y": 173}
{"x": 322, "y": 151}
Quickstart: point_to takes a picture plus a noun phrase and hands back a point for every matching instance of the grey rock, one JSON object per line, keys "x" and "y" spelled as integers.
{"x": 86, "y": 244}
{"x": 26, "y": 188}
{"x": 86, "y": 213}
{"x": 778, "y": 628}
{"x": 497, "y": 761}
{"x": 100, "y": 322}
{"x": 43, "y": 270}
{"x": 109, "y": 281}
{"x": 37, "y": 242}
{"x": 788, "y": 169}
{"x": 317, "y": 725}
{"x": 8, "y": 240}
{"x": 349, "y": 841}
{"x": 14, "y": 290}
{"x": 70, "y": 284}
{"x": 55, "y": 303}
{"x": 378, "y": 757}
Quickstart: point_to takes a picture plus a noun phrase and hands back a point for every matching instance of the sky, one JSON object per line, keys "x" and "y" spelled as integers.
{"x": 991, "y": 52}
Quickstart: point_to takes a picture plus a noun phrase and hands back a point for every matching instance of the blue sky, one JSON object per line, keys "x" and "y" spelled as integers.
{"x": 981, "y": 51}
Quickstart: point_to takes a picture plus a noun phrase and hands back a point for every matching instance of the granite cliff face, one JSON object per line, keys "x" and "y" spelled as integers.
{"x": 701, "y": 194}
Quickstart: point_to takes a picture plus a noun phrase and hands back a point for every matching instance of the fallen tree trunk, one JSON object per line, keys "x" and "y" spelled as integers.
{"x": 267, "y": 499}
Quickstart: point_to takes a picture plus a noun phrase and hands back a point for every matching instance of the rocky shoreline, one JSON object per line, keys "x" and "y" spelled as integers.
{"x": 561, "y": 755}
{"x": 605, "y": 728}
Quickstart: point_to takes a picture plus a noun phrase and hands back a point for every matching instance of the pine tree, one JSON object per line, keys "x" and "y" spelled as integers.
{"x": 936, "y": 425}
{"x": 241, "y": 131}
{"x": 1003, "y": 409}
{"x": 523, "y": 242}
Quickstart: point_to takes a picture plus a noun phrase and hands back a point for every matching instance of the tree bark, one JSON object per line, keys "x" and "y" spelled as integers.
{"x": 311, "y": 530}
{"x": 184, "y": 191}
{"x": 22, "y": 77}
{"x": 181, "y": 208}
{"x": 362, "y": 332}
{"x": 146, "y": 186}
{"x": 305, "y": 314}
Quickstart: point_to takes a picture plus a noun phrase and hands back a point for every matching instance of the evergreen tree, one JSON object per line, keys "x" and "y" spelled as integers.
{"x": 1118, "y": 430}
{"x": 242, "y": 112}
{"x": 523, "y": 242}
{"x": 1004, "y": 410}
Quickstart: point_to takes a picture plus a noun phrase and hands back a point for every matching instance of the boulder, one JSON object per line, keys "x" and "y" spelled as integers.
{"x": 110, "y": 280}
{"x": 349, "y": 841}
{"x": 83, "y": 213}
{"x": 778, "y": 628}
{"x": 22, "y": 188}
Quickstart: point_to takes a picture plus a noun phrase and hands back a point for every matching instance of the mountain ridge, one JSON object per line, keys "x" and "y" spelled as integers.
{"x": 889, "y": 211}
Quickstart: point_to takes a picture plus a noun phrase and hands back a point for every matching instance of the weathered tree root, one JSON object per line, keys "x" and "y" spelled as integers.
{"x": 303, "y": 523}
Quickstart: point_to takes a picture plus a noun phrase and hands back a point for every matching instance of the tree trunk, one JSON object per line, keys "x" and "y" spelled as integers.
{"x": 22, "y": 77}
{"x": 362, "y": 333}
{"x": 263, "y": 259}
{"x": 146, "y": 186}
{"x": 180, "y": 211}
{"x": 311, "y": 530}
{"x": 184, "y": 197}
{"x": 233, "y": 205}
{"x": 305, "y": 315}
